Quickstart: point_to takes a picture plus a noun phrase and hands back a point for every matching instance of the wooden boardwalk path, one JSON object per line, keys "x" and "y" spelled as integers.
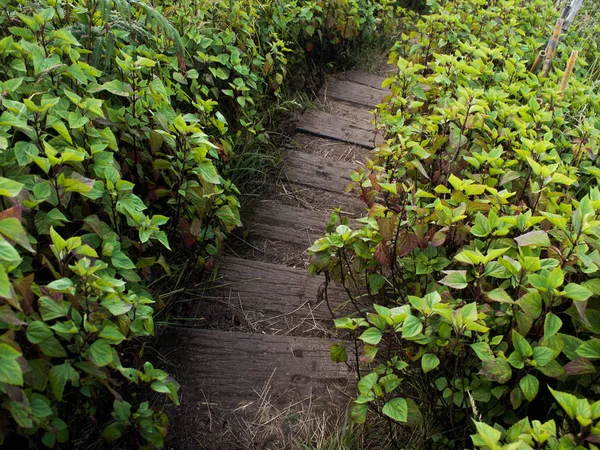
{"x": 241, "y": 386}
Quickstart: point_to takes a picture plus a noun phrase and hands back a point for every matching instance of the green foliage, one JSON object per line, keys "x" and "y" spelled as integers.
{"x": 479, "y": 254}
{"x": 118, "y": 124}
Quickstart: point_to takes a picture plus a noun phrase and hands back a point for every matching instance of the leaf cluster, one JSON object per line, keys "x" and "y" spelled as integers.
{"x": 475, "y": 272}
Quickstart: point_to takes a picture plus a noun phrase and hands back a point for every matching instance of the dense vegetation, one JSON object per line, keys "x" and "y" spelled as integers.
{"x": 119, "y": 125}
{"x": 480, "y": 253}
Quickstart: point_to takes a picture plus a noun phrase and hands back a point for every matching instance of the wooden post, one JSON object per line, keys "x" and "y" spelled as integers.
{"x": 551, "y": 47}
{"x": 570, "y": 12}
{"x": 538, "y": 61}
{"x": 568, "y": 70}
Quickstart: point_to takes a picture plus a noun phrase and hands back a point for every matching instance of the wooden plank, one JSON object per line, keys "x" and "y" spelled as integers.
{"x": 327, "y": 125}
{"x": 276, "y": 221}
{"x": 327, "y": 148}
{"x": 348, "y": 91}
{"x": 267, "y": 291}
{"x": 365, "y": 78}
{"x": 350, "y": 111}
{"x": 318, "y": 172}
{"x": 227, "y": 369}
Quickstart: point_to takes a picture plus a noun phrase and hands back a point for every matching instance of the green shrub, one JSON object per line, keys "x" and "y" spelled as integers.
{"x": 117, "y": 125}
{"x": 480, "y": 252}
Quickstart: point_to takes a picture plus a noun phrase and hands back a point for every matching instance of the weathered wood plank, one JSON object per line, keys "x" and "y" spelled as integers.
{"x": 318, "y": 172}
{"x": 350, "y": 111}
{"x": 365, "y": 78}
{"x": 274, "y": 220}
{"x": 330, "y": 126}
{"x": 268, "y": 291}
{"x": 327, "y": 148}
{"x": 228, "y": 370}
{"x": 348, "y": 91}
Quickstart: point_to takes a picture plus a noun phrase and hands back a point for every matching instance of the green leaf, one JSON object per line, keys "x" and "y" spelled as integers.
{"x": 499, "y": 295}
{"x": 367, "y": 382}
{"x": 111, "y": 333}
{"x": 589, "y": 349}
{"x": 338, "y": 353}
{"x": 412, "y": 327}
{"x": 483, "y": 351}
{"x": 58, "y": 377}
{"x": 53, "y": 309}
{"x": 376, "y": 282}
{"x": 429, "y": 361}
{"x": 568, "y": 402}
{"x": 530, "y": 386}
{"x": 115, "y": 305}
{"x": 456, "y": 279}
{"x": 64, "y": 284}
{"x": 390, "y": 382}
{"x": 488, "y": 434}
{"x": 10, "y": 372}
{"x": 116, "y": 87}
{"x": 359, "y": 412}
{"x": 5, "y": 287}
{"x": 371, "y": 336}
{"x": 37, "y": 332}
{"x": 52, "y": 347}
{"x": 415, "y": 418}
{"x": 521, "y": 344}
{"x": 577, "y": 292}
{"x": 121, "y": 261}
{"x": 100, "y": 352}
{"x": 552, "y": 325}
{"x": 538, "y": 238}
{"x": 13, "y": 230}
{"x": 542, "y": 355}
{"x": 497, "y": 370}
{"x": 121, "y": 411}
{"x": 397, "y": 409}
{"x": 10, "y": 188}
{"x": 227, "y": 217}
{"x": 207, "y": 171}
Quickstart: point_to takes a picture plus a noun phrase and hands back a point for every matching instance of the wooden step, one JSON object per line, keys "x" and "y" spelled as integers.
{"x": 226, "y": 370}
{"x": 350, "y": 111}
{"x": 327, "y": 148}
{"x": 365, "y": 78}
{"x": 270, "y": 298}
{"x": 277, "y": 221}
{"x": 351, "y": 92}
{"x": 330, "y": 126}
{"x": 318, "y": 172}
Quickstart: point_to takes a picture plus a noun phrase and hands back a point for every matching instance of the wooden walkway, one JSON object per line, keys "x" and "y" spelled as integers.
{"x": 273, "y": 362}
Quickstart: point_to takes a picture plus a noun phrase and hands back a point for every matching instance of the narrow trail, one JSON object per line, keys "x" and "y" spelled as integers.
{"x": 256, "y": 372}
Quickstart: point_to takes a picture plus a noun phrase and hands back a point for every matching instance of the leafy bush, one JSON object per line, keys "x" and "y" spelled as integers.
{"x": 475, "y": 273}
{"x": 117, "y": 126}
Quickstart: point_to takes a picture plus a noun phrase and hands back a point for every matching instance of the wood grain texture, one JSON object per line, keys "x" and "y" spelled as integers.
{"x": 327, "y": 148}
{"x": 267, "y": 290}
{"x": 322, "y": 173}
{"x": 365, "y": 78}
{"x": 277, "y": 221}
{"x": 349, "y": 91}
{"x": 229, "y": 369}
{"x": 330, "y": 126}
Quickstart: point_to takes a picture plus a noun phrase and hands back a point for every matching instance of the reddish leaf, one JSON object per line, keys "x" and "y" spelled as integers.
{"x": 196, "y": 227}
{"x": 8, "y": 316}
{"x": 387, "y": 227}
{"x": 22, "y": 287}
{"x": 374, "y": 182}
{"x": 579, "y": 366}
{"x": 406, "y": 243}
{"x": 15, "y": 212}
{"x": 382, "y": 256}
